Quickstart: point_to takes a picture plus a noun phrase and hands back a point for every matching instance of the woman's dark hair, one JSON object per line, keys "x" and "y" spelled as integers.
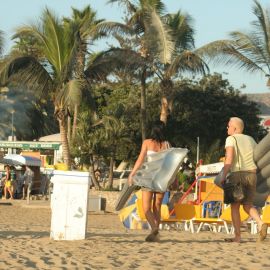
{"x": 158, "y": 131}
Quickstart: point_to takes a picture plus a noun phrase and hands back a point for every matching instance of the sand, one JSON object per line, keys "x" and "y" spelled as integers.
{"x": 25, "y": 244}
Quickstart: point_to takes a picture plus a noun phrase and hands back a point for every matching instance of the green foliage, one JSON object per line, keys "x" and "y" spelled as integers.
{"x": 200, "y": 109}
{"x": 122, "y": 102}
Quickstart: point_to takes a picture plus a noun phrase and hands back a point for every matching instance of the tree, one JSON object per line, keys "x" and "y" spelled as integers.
{"x": 85, "y": 23}
{"x": 112, "y": 133}
{"x": 166, "y": 42}
{"x": 202, "y": 109}
{"x": 50, "y": 70}
{"x": 184, "y": 59}
{"x": 86, "y": 145}
{"x": 248, "y": 51}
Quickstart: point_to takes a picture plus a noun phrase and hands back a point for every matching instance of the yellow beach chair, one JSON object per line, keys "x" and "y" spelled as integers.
{"x": 216, "y": 224}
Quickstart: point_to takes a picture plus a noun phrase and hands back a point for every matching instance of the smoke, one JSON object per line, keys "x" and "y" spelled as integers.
{"x": 29, "y": 116}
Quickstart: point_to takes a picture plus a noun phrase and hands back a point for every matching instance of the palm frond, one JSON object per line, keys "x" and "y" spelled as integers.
{"x": 27, "y": 71}
{"x": 249, "y": 51}
{"x": 187, "y": 61}
{"x": 226, "y": 52}
{"x": 262, "y": 25}
{"x": 126, "y": 3}
{"x": 158, "y": 37}
{"x": 107, "y": 62}
{"x": 55, "y": 42}
{"x": 85, "y": 22}
{"x": 69, "y": 95}
{"x": 111, "y": 28}
{"x": 156, "y": 5}
{"x": 182, "y": 30}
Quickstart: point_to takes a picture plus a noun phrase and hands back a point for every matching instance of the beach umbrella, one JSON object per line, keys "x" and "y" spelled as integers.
{"x": 131, "y": 215}
{"x": 15, "y": 160}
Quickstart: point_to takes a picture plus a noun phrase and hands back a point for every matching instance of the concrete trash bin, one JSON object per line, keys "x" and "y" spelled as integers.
{"x": 69, "y": 202}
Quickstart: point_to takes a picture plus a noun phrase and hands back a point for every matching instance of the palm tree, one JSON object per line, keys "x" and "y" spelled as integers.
{"x": 249, "y": 51}
{"x": 86, "y": 24}
{"x": 167, "y": 44}
{"x": 184, "y": 59}
{"x": 125, "y": 64}
{"x": 50, "y": 70}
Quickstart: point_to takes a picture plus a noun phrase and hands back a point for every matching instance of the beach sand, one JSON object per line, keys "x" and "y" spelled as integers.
{"x": 25, "y": 244}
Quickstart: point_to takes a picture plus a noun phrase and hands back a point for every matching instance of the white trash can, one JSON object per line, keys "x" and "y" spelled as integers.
{"x": 69, "y": 202}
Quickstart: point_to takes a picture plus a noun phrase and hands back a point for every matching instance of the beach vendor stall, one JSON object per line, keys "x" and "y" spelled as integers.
{"x": 32, "y": 163}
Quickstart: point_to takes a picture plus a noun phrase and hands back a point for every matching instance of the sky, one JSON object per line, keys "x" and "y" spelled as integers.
{"x": 213, "y": 20}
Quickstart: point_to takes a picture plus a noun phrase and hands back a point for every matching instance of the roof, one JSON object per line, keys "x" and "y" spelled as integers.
{"x": 51, "y": 138}
{"x": 213, "y": 168}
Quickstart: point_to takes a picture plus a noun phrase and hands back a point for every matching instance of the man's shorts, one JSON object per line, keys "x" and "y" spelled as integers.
{"x": 248, "y": 181}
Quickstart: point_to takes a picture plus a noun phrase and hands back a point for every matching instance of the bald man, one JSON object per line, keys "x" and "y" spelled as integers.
{"x": 239, "y": 162}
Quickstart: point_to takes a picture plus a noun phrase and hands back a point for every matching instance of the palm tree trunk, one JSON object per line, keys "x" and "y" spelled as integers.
{"x": 74, "y": 126}
{"x": 92, "y": 174}
{"x": 164, "y": 110}
{"x": 79, "y": 75}
{"x": 110, "y": 180}
{"x": 68, "y": 128}
{"x": 143, "y": 104}
{"x": 64, "y": 141}
{"x": 166, "y": 101}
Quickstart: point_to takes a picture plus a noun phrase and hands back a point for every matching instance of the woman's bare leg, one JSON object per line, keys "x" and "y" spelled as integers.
{"x": 5, "y": 192}
{"x": 158, "y": 197}
{"x": 146, "y": 204}
{"x": 10, "y": 193}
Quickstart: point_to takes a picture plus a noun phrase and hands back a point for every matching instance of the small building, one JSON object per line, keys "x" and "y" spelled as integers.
{"x": 48, "y": 151}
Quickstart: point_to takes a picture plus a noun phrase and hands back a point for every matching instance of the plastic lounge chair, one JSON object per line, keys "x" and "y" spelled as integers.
{"x": 121, "y": 170}
{"x": 184, "y": 213}
{"x": 216, "y": 224}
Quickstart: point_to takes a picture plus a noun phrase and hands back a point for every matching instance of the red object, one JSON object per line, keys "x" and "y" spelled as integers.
{"x": 267, "y": 123}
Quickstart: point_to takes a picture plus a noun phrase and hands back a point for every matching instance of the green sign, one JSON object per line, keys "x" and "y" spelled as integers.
{"x": 30, "y": 145}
